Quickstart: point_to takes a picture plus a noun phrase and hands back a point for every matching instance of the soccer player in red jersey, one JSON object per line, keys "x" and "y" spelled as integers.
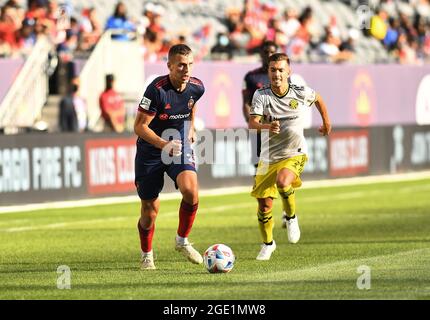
{"x": 164, "y": 125}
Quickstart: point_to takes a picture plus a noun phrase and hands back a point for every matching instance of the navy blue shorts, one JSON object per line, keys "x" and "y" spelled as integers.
{"x": 149, "y": 179}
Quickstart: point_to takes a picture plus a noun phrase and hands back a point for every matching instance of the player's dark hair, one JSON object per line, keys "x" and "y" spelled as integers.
{"x": 279, "y": 57}
{"x": 181, "y": 49}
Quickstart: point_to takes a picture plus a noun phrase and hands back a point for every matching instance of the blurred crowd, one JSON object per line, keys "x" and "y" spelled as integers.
{"x": 405, "y": 37}
{"x": 20, "y": 29}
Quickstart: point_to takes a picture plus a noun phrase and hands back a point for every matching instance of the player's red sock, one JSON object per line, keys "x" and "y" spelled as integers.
{"x": 145, "y": 237}
{"x": 187, "y": 213}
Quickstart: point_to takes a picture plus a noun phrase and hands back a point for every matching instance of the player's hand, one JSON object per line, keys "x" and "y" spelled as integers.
{"x": 192, "y": 136}
{"x": 275, "y": 127}
{"x": 325, "y": 129}
{"x": 173, "y": 148}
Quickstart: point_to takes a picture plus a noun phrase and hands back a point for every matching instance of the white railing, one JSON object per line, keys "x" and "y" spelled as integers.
{"x": 24, "y": 101}
{"x": 121, "y": 58}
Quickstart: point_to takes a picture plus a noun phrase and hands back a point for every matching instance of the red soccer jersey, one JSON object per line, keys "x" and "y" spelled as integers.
{"x": 111, "y": 102}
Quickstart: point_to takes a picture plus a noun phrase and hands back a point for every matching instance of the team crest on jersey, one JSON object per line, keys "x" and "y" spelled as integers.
{"x": 293, "y": 104}
{"x": 191, "y": 103}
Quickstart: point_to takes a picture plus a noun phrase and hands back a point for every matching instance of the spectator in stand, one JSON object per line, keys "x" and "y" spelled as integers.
{"x": 112, "y": 107}
{"x": 347, "y": 48}
{"x": 392, "y": 34}
{"x": 298, "y": 45}
{"x": 378, "y": 24}
{"x": 91, "y": 29}
{"x": 9, "y": 26}
{"x": 37, "y": 9}
{"x": 120, "y": 23}
{"x": 65, "y": 71}
{"x": 66, "y": 49}
{"x": 238, "y": 35}
{"x": 17, "y": 10}
{"x": 329, "y": 48}
{"x": 150, "y": 47}
{"x": 26, "y": 37}
{"x": 289, "y": 25}
{"x": 73, "y": 115}
{"x": 305, "y": 31}
{"x": 408, "y": 50}
{"x": 255, "y": 23}
{"x": 81, "y": 108}
{"x": 222, "y": 50}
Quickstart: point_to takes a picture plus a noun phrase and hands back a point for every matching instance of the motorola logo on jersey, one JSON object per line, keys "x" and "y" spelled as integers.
{"x": 179, "y": 116}
{"x": 165, "y": 116}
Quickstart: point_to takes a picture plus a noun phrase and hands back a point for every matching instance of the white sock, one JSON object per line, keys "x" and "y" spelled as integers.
{"x": 181, "y": 241}
{"x": 147, "y": 253}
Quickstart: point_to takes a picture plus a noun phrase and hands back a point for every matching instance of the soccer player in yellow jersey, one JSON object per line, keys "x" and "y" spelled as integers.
{"x": 279, "y": 109}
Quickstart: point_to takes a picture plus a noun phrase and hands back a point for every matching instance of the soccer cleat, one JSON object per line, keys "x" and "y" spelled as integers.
{"x": 189, "y": 252}
{"x": 266, "y": 251}
{"x": 293, "y": 230}
{"x": 284, "y": 220}
{"x": 147, "y": 261}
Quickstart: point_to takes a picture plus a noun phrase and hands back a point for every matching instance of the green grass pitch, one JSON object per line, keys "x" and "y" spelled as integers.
{"x": 384, "y": 226}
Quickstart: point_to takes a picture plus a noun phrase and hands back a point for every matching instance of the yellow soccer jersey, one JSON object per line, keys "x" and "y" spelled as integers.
{"x": 290, "y": 110}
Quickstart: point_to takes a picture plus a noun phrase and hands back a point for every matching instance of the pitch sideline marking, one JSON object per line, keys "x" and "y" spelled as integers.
{"x": 342, "y": 196}
{"x": 216, "y": 192}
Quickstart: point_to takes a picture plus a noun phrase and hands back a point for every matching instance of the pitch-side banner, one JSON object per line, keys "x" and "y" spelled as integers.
{"x": 38, "y": 168}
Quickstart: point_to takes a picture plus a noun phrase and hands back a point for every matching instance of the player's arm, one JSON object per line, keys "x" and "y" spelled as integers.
{"x": 142, "y": 129}
{"x": 192, "y": 133}
{"x": 246, "y": 107}
{"x": 255, "y": 123}
{"x": 325, "y": 129}
{"x": 256, "y": 113}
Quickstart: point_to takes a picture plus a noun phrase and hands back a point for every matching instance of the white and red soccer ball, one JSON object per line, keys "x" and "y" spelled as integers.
{"x": 219, "y": 258}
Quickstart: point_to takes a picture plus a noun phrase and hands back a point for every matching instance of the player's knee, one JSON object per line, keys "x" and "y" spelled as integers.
{"x": 149, "y": 209}
{"x": 264, "y": 206}
{"x": 190, "y": 195}
{"x": 282, "y": 184}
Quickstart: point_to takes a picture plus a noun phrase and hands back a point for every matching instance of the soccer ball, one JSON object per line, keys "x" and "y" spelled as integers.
{"x": 219, "y": 258}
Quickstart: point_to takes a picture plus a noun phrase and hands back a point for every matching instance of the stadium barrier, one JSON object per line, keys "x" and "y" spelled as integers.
{"x": 43, "y": 167}
{"x": 22, "y": 105}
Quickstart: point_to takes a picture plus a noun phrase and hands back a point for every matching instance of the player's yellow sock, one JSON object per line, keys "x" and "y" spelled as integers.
{"x": 265, "y": 222}
{"x": 288, "y": 200}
